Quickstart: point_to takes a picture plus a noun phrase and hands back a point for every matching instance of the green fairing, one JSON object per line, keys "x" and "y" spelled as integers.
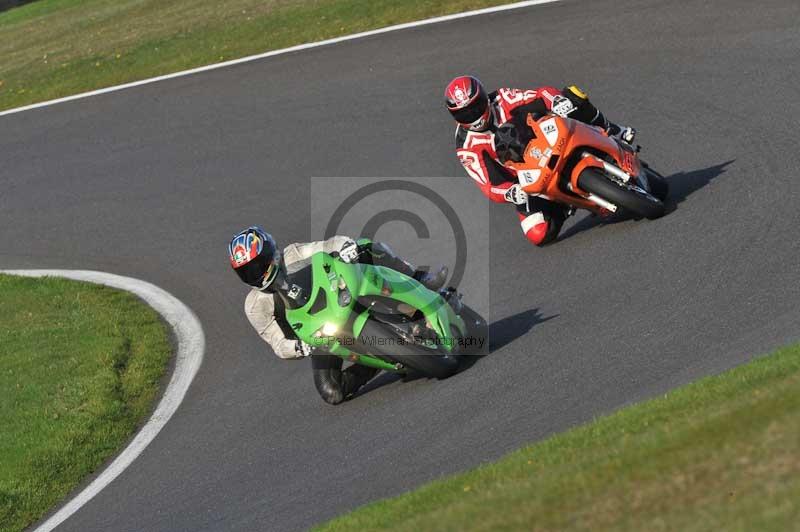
{"x": 330, "y": 275}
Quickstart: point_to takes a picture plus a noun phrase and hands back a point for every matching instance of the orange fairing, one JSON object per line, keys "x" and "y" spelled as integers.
{"x": 630, "y": 162}
{"x": 556, "y": 143}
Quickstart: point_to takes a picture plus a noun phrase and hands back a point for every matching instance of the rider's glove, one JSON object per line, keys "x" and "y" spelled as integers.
{"x": 516, "y": 195}
{"x": 349, "y": 252}
{"x": 303, "y": 349}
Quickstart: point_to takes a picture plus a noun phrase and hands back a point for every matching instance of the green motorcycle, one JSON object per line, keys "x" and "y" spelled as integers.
{"x": 378, "y": 317}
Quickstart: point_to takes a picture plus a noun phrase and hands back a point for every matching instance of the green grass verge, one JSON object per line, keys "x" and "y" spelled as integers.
{"x": 54, "y": 48}
{"x": 80, "y": 366}
{"x": 719, "y": 454}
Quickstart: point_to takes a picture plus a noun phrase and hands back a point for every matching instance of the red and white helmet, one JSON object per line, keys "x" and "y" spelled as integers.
{"x": 467, "y": 101}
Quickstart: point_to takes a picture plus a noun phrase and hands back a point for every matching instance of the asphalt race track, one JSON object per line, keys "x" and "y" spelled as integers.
{"x": 151, "y": 182}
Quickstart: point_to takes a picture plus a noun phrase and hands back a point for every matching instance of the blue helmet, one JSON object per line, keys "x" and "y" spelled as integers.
{"x": 255, "y": 257}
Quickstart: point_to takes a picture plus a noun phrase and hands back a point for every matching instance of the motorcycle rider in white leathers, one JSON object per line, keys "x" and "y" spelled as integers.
{"x": 254, "y": 256}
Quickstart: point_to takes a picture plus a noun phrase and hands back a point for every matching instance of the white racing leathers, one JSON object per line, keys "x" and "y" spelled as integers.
{"x": 260, "y": 306}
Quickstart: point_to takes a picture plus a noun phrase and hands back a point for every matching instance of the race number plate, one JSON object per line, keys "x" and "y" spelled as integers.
{"x": 562, "y": 106}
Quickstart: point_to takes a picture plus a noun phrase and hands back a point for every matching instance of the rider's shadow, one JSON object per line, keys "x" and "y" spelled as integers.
{"x": 681, "y": 186}
{"x": 501, "y": 333}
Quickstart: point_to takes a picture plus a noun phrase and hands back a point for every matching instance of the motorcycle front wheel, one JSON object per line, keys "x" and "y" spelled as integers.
{"x": 658, "y": 183}
{"x": 625, "y": 195}
{"x": 477, "y": 337}
{"x": 386, "y": 343}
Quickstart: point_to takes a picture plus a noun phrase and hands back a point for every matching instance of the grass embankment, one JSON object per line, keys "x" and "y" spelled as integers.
{"x": 80, "y": 366}
{"x": 719, "y": 454}
{"x": 54, "y": 48}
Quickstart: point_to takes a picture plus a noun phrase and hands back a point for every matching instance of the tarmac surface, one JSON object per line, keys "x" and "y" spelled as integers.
{"x": 151, "y": 183}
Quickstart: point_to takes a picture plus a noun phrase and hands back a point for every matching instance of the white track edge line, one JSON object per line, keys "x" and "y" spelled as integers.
{"x": 189, "y": 357}
{"x": 300, "y": 47}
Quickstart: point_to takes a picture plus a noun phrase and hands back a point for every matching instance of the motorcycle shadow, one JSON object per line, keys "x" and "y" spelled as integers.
{"x": 681, "y": 186}
{"x": 501, "y": 333}
{"x": 505, "y": 331}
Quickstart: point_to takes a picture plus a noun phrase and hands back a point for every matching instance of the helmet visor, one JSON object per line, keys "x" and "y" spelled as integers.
{"x": 471, "y": 113}
{"x": 256, "y": 271}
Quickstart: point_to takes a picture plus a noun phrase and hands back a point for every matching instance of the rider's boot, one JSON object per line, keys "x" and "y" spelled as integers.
{"x": 584, "y": 111}
{"x": 623, "y": 133}
{"x": 382, "y": 255}
{"x": 432, "y": 280}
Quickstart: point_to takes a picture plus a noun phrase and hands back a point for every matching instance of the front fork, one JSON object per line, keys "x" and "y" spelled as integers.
{"x": 365, "y": 360}
{"x": 374, "y": 362}
{"x": 452, "y": 298}
{"x": 639, "y": 181}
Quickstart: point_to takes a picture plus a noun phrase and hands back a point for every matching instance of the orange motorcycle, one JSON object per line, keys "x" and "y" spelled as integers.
{"x": 569, "y": 162}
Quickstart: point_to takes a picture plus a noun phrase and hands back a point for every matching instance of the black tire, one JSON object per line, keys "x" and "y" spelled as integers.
{"x": 422, "y": 359}
{"x": 658, "y": 184}
{"x": 477, "y": 329}
{"x": 638, "y": 202}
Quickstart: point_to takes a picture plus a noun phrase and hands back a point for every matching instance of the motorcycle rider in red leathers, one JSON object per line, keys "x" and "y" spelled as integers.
{"x": 480, "y": 114}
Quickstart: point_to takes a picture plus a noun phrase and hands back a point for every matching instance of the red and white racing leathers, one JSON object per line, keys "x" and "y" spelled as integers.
{"x": 540, "y": 219}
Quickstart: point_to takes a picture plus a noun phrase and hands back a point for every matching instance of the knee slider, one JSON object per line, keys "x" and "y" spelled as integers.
{"x": 329, "y": 389}
{"x": 534, "y": 226}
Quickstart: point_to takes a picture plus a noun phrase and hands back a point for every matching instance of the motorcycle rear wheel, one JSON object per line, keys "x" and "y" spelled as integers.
{"x": 630, "y": 198}
{"x": 388, "y": 344}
